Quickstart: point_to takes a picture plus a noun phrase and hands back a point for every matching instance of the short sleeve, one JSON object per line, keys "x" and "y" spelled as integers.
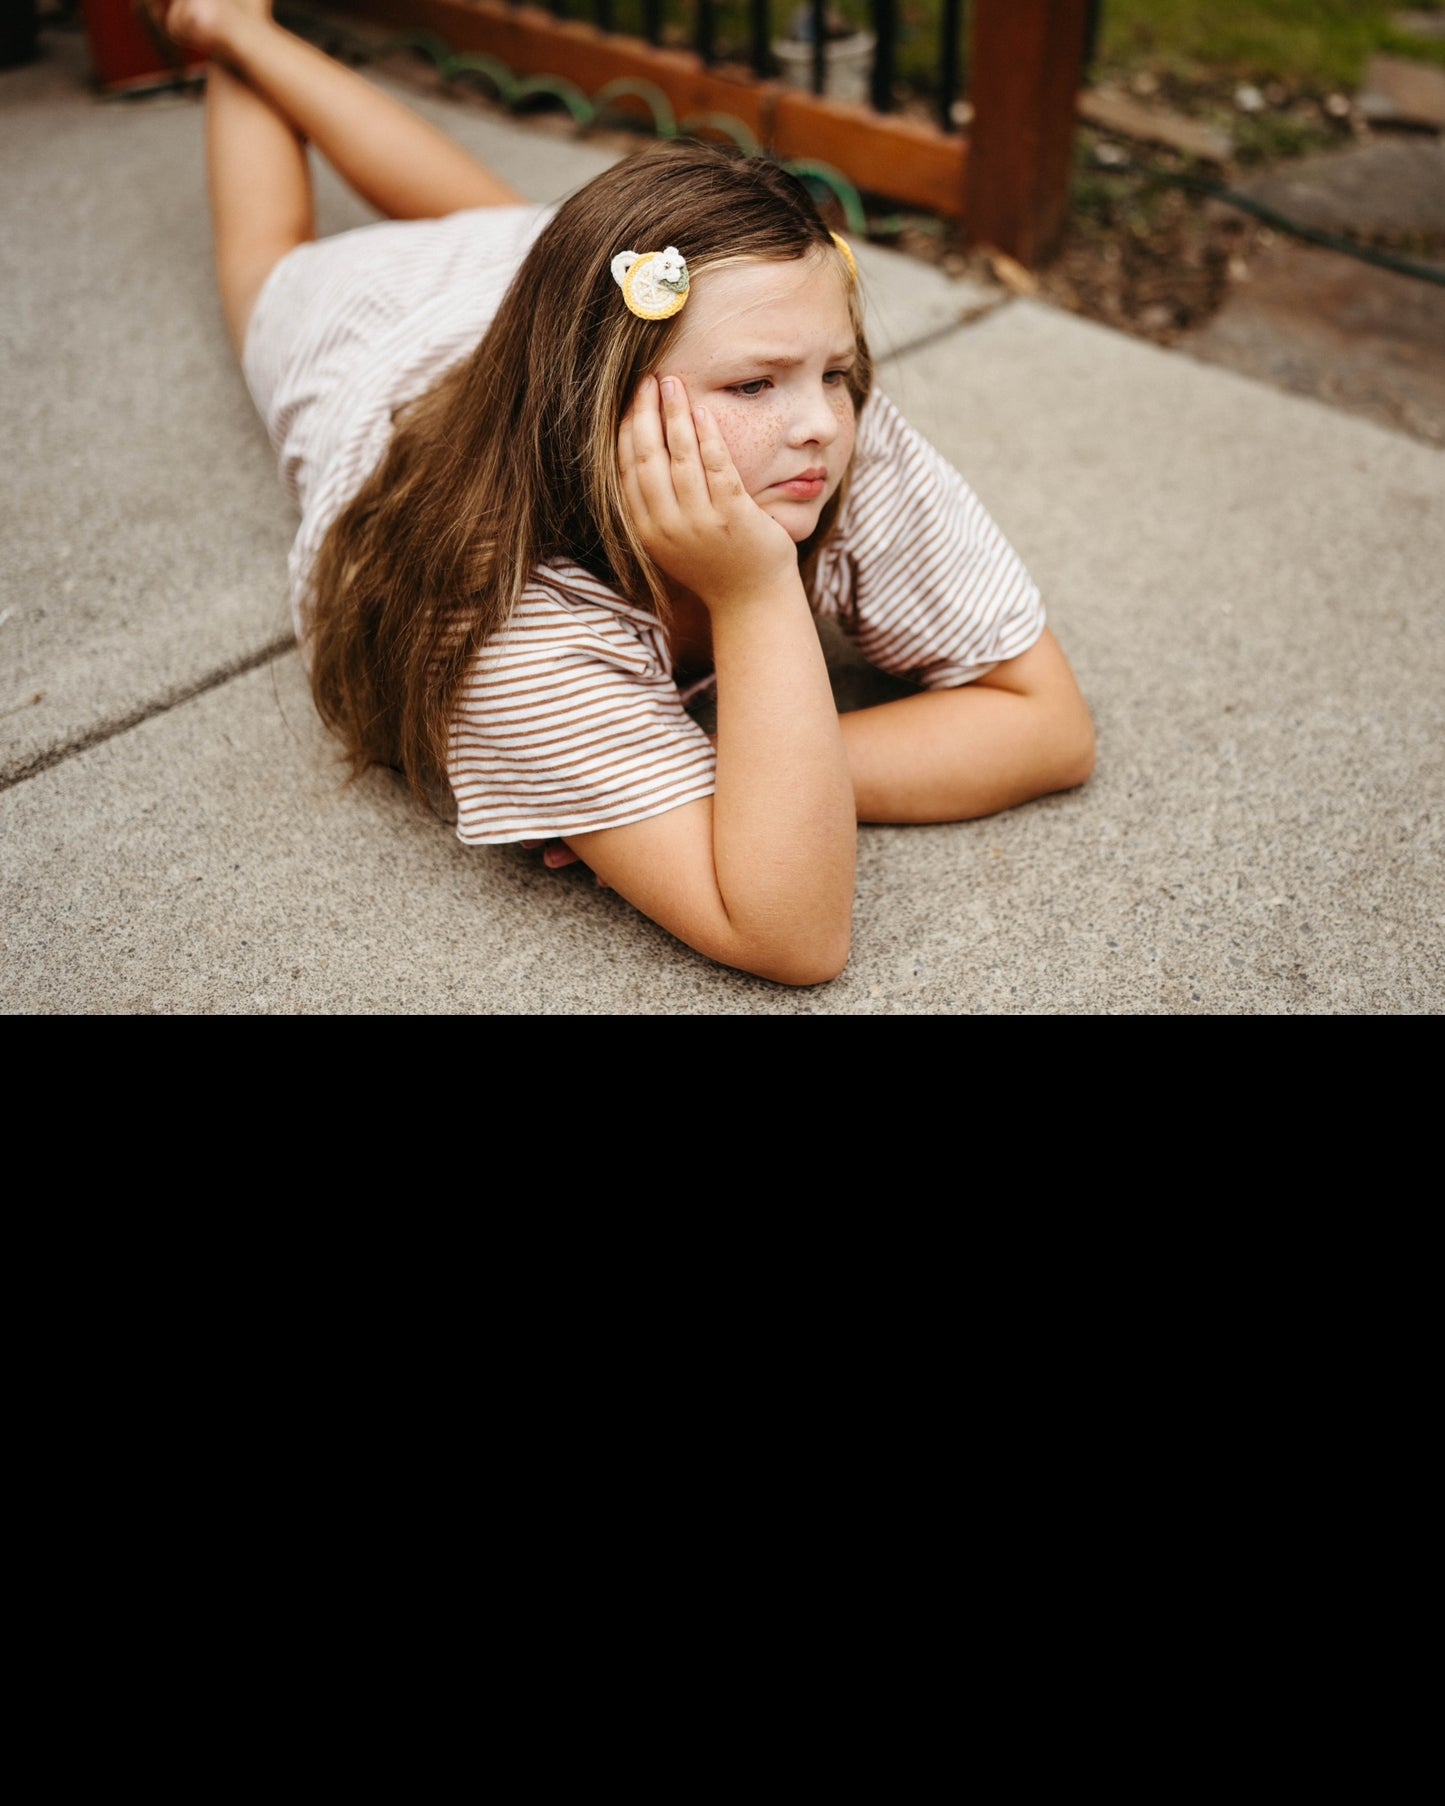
{"x": 917, "y": 573}
{"x": 570, "y": 720}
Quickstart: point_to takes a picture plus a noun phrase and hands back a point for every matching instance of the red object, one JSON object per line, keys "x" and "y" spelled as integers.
{"x": 129, "y": 50}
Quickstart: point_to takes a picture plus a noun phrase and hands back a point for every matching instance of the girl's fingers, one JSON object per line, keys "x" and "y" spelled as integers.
{"x": 642, "y": 451}
{"x": 627, "y": 460}
{"x": 556, "y": 854}
{"x": 723, "y": 482}
{"x": 642, "y": 420}
{"x": 689, "y": 481}
{"x": 629, "y": 448}
{"x": 658, "y": 451}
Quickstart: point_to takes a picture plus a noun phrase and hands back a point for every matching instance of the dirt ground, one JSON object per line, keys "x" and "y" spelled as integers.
{"x": 1146, "y": 249}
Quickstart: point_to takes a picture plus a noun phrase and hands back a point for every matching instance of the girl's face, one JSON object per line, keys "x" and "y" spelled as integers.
{"x": 766, "y": 348}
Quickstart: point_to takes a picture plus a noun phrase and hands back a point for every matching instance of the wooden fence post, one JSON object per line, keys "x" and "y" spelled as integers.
{"x": 1026, "y": 65}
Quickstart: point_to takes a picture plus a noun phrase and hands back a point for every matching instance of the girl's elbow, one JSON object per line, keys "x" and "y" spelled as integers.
{"x": 817, "y": 960}
{"x": 822, "y": 967}
{"x": 1076, "y": 749}
{"x": 1081, "y": 755}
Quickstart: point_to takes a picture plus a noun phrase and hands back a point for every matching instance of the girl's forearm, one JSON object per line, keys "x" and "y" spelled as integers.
{"x": 784, "y": 819}
{"x": 954, "y": 755}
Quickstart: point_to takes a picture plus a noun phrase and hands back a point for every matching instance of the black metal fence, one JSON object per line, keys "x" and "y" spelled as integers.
{"x": 918, "y": 56}
{"x": 915, "y": 56}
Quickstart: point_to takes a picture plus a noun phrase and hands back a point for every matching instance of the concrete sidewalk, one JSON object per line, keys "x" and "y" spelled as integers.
{"x": 1251, "y": 588}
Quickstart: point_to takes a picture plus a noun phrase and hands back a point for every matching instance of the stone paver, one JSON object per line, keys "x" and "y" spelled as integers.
{"x": 1351, "y": 335}
{"x": 1339, "y": 327}
{"x": 1399, "y": 91}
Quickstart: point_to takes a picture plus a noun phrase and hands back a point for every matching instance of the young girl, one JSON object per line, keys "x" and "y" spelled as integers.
{"x": 567, "y": 473}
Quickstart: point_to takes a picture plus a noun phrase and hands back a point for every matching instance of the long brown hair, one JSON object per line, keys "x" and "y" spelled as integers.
{"x": 511, "y": 458}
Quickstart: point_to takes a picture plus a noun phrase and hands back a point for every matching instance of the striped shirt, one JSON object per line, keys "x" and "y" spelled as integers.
{"x": 570, "y": 718}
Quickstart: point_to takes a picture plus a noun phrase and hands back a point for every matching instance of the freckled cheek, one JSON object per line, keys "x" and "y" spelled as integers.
{"x": 847, "y": 423}
{"x": 753, "y": 436}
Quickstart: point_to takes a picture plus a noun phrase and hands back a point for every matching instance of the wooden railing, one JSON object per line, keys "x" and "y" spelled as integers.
{"x": 1004, "y": 178}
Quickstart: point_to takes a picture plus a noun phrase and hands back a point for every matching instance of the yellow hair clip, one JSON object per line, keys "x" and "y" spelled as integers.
{"x": 654, "y": 284}
{"x": 847, "y": 251}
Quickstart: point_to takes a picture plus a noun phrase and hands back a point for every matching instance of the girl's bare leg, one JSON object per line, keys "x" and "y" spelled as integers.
{"x": 269, "y": 93}
{"x": 258, "y": 181}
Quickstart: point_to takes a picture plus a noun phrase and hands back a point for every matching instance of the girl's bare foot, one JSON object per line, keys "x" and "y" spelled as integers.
{"x": 205, "y": 25}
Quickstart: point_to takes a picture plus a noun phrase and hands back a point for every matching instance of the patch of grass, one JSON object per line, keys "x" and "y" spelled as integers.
{"x": 1273, "y": 137}
{"x": 1318, "y": 44}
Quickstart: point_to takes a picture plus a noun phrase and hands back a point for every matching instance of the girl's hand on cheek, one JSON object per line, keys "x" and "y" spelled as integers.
{"x": 689, "y": 504}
